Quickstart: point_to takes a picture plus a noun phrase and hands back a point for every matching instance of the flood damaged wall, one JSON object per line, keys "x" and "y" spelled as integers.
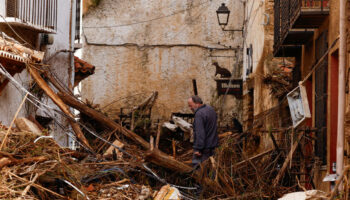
{"x": 159, "y": 45}
{"x": 57, "y": 57}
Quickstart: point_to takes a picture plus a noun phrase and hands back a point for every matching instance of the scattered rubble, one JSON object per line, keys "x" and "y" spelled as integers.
{"x": 118, "y": 163}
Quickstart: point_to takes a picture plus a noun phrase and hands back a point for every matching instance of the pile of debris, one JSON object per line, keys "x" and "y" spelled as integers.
{"x": 116, "y": 162}
{"x": 280, "y": 82}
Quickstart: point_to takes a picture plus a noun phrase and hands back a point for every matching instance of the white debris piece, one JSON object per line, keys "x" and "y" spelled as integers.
{"x": 168, "y": 193}
{"x": 184, "y": 125}
{"x": 145, "y": 193}
{"x": 307, "y": 195}
{"x": 170, "y": 126}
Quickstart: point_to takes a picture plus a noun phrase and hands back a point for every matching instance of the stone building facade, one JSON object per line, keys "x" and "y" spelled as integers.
{"x": 309, "y": 52}
{"x": 143, "y": 46}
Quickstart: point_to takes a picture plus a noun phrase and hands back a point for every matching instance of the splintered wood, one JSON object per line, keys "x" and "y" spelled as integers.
{"x": 124, "y": 164}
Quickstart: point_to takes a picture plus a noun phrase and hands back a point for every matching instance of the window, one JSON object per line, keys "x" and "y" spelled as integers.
{"x": 249, "y": 60}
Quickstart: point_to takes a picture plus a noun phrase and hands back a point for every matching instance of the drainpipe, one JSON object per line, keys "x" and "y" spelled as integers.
{"x": 71, "y": 44}
{"x": 341, "y": 88}
{"x": 71, "y": 71}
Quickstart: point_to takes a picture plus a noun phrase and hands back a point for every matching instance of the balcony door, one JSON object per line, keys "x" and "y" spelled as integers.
{"x": 321, "y": 98}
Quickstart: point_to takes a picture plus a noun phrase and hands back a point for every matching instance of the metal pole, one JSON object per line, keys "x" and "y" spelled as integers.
{"x": 341, "y": 89}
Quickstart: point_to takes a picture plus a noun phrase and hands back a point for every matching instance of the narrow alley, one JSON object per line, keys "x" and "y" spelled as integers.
{"x": 174, "y": 99}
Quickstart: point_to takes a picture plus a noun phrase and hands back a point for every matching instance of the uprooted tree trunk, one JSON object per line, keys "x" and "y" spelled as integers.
{"x": 43, "y": 85}
{"x": 73, "y": 102}
{"x": 155, "y": 156}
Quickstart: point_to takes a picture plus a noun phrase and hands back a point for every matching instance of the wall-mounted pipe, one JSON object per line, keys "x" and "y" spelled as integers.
{"x": 341, "y": 88}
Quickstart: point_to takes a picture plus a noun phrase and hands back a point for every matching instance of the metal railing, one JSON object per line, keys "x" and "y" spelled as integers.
{"x": 318, "y": 4}
{"x": 277, "y": 23}
{"x": 41, "y": 13}
{"x": 286, "y": 12}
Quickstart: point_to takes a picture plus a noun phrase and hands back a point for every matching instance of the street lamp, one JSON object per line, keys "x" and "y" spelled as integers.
{"x": 223, "y": 14}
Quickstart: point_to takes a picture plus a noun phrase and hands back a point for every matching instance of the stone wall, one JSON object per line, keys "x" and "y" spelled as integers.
{"x": 143, "y": 46}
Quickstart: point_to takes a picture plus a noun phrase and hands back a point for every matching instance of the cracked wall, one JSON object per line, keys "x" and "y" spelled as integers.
{"x": 139, "y": 47}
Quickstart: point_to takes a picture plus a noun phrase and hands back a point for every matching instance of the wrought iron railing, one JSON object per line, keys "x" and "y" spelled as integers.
{"x": 318, "y": 4}
{"x": 277, "y": 25}
{"x": 286, "y": 12}
{"x": 41, "y": 13}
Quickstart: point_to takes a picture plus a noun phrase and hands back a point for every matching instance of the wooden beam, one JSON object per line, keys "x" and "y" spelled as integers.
{"x": 155, "y": 156}
{"x": 287, "y": 160}
{"x": 73, "y": 102}
{"x": 253, "y": 158}
{"x": 104, "y": 120}
{"x": 56, "y": 99}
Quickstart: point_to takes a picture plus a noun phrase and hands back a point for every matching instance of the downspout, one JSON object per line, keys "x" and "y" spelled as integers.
{"x": 71, "y": 44}
{"x": 71, "y": 71}
{"x": 341, "y": 88}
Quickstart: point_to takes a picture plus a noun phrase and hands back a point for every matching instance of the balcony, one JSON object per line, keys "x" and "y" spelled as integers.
{"x": 295, "y": 21}
{"x": 37, "y": 15}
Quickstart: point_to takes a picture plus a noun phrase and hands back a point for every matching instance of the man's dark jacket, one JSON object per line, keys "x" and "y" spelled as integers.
{"x": 205, "y": 129}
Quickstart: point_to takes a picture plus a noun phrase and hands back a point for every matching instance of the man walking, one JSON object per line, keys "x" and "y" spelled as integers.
{"x": 204, "y": 130}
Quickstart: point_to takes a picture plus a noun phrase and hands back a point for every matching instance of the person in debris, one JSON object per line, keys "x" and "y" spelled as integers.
{"x": 204, "y": 130}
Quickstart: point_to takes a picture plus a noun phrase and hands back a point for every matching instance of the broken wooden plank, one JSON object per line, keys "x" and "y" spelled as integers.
{"x": 222, "y": 135}
{"x": 253, "y": 158}
{"x": 24, "y": 192}
{"x": 117, "y": 143}
{"x": 174, "y": 148}
{"x": 158, "y": 135}
{"x": 12, "y": 122}
{"x": 287, "y": 160}
{"x": 73, "y": 102}
{"x": 56, "y": 99}
{"x": 155, "y": 156}
{"x": 5, "y": 161}
{"x": 159, "y": 158}
{"x": 35, "y": 55}
{"x": 37, "y": 186}
{"x": 147, "y": 103}
{"x": 151, "y": 143}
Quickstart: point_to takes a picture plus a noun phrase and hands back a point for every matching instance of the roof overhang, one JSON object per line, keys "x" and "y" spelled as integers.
{"x": 82, "y": 69}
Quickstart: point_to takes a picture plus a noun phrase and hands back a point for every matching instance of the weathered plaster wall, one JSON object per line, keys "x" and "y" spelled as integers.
{"x": 258, "y": 100}
{"x": 143, "y": 46}
{"x": 9, "y": 104}
{"x": 259, "y": 19}
{"x": 60, "y": 63}
{"x": 2, "y": 7}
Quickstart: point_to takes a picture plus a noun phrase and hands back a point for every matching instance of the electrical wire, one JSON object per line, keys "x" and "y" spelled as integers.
{"x": 45, "y": 108}
{"x": 145, "y": 21}
{"x": 48, "y": 108}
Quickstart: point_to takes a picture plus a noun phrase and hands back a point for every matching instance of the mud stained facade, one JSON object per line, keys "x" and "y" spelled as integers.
{"x": 135, "y": 54}
{"x": 297, "y": 53}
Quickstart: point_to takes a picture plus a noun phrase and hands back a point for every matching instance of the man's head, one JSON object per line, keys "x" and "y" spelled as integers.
{"x": 195, "y": 102}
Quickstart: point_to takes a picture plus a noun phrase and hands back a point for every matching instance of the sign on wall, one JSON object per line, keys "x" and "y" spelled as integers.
{"x": 232, "y": 87}
{"x": 298, "y": 105}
